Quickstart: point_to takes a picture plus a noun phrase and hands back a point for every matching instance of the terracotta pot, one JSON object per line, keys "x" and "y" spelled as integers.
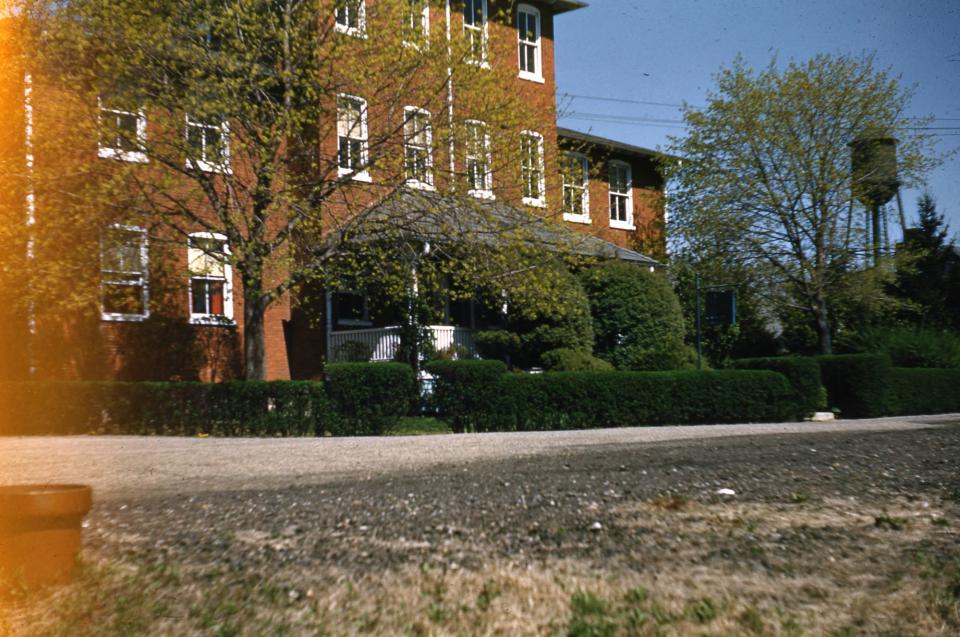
{"x": 40, "y": 526}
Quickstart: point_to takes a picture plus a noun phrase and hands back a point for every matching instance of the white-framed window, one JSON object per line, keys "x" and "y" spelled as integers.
{"x": 211, "y": 279}
{"x": 124, "y": 285}
{"x": 621, "y": 195}
{"x": 478, "y": 160}
{"x": 416, "y": 22}
{"x": 123, "y": 133}
{"x": 208, "y": 146}
{"x": 575, "y": 171}
{"x": 351, "y": 17}
{"x": 528, "y": 36}
{"x": 418, "y": 148}
{"x": 352, "y": 137}
{"x": 475, "y": 30}
{"x": 531, "y": 169}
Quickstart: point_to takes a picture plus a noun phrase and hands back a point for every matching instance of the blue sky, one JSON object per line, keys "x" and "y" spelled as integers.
{"x": 663, "y": 52}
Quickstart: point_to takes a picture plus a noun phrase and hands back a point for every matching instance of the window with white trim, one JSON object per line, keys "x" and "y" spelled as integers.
{"x": 418, "y": 148}
{"x": 211, "y": 279}
{"x": 575, "y": 171}
{"x": 416, "y": 22}
{"x": 352, "y": 137}
{"x": 621, "y": 195}
{"x": 528, "y": 35}
{"x": 124, "y": 289}
{"x": 122, "y": 133}
{"x": 479, "y": 175}
{"x": 351, "y": 17}
{"x": 475, "y": 30}
{"x": 208, "y": 146}
{"x": 531, "y": 169}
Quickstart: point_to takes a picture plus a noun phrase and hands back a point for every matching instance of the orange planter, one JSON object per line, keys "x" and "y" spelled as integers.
{"x": 40, "y": 527}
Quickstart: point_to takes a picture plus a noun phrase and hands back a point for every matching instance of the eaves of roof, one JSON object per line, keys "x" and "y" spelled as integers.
{"x": 612, "y": 144}
{"x": 563, "y": 6}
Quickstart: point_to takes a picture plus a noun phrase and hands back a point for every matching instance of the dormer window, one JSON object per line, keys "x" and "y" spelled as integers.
{"x": 475, "y": 30}
{"x": 351, "y": 17}
{"x": 123, "y": 133}
{"x": 528, "y": 34}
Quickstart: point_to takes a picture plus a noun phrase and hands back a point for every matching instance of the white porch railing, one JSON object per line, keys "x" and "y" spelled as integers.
{"x": 382, "y": 342}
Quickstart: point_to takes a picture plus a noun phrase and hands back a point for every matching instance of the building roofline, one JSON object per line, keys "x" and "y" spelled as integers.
{"x": 611, "y": 144}
{"x": 563, "y": 6}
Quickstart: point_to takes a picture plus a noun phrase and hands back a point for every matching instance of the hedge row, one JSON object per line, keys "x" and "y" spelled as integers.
{"x": 925, "y": 391}
{"x": 358, "y": 399}
{"x": 586, "y": 400}
{"x": 802, "y": 373}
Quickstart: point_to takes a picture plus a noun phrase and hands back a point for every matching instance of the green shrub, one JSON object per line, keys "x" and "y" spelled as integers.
{"x": 498, "y": 345}
{"x": 637, "y": 320}
{"x": 586, "y": 400}
{"x": 926, "y": 391}
{"x": 370, "y": 397}
{"x": 464, "y": 392}
{"x": 280, "y": 408}
{"x": 859, "y": 385}
{"x": 802, "y": 373}
{"x": 571, "y": 360}
{"x": 909, "y": 346}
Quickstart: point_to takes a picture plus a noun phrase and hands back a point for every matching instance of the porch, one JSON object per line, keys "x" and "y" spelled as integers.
{"x": 382, "y": 342}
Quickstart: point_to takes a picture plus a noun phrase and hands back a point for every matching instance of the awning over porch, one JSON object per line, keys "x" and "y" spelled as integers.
{"x": 435, "y": 217}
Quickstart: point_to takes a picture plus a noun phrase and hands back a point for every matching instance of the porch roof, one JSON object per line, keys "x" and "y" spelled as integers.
{"x": 433, "y": 216}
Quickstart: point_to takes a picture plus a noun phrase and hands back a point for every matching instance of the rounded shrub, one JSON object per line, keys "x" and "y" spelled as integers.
{"x": 572, "y": 360}
{"x": 637, "y": 320}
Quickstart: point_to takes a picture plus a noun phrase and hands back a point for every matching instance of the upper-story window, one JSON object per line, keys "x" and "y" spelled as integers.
{"x": 479, "y": 175}
{"x": 123, "y": 133}
{"x": 528, "y": 34}
{"x": 208, "y": 146}
{"x": 351, "y": 17}
{"x": 416, "y": 22}
{"x": 575, "y": 170}
{"x": 124, "y": 292}
{"x": 352, "y": 137}
{"x": 621, "y": 197}
{"x": 418, "y": 148}
{"x": 211, "y": 279}
{"x": 475, "y": 30}
{"x": 532, "y": 169}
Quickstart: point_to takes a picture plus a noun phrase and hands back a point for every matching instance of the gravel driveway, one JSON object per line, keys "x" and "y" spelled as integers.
{"x": 847, "y": 528}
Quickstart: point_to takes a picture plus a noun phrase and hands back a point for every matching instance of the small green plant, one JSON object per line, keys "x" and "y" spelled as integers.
{"x": 488, "y": 593}
{"x": 885, "y": 521}
{"x": 590, "y": 616}
{"x": 703, "y": 611}
{"x": 752, "y": 620}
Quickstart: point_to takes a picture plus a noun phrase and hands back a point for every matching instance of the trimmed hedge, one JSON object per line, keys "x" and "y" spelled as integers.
{"x": 803, "y": 374}
{"x": 465, "y": 391}
{"x": 279, "y": 408}
{"x": 925, "y": 391}
{"x": 859, "y": 385}
{"x": 572, "y": 360}
{"x": 370, "y": 397}
{"x": 587, "y": 400}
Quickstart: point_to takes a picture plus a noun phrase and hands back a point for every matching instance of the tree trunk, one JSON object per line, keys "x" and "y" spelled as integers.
{"x": 822, "y": 319}
{"x": 254, "y": 353}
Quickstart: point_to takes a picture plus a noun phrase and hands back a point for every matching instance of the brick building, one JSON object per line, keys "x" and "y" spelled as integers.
{"x": 171, "y": 308}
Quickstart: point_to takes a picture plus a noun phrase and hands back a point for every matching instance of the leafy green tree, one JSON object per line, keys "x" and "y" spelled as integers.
{"x": 255, "y": 133}
{"x": 637, "y": 318}
{"x": 766, "y": 181}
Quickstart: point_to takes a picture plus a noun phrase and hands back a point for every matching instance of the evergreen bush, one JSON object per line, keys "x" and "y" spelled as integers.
{"x": 803, "y": 374}
{"x": 571, "y": 360}
{"x": 859, "y": 385}
{"x": 464, "y": 392}
{"x": 370, "y": 397}
{"x": 926, "y": 391}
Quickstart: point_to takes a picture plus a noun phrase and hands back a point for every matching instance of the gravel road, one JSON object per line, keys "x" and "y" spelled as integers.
{"x": 842, "y": 528}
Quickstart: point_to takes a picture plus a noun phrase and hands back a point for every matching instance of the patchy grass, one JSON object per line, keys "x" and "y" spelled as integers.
{"x": 419, "y": 426}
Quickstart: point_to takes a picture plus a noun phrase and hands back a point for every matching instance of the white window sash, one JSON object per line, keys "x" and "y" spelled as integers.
{"x": 478, "y": 151}
{"x": 355, "y": 11}
{"x": 580, "y": 190}
{"x": 523, "y": 44}
{"x": 417, "y": 23}
{"x": 474, "y": 32}
{"x": 621, "y": 197}
{"x": 353, "y": 130}
{"x": 532, "y": 166}
{"x": 206, "y": 162}
{"x": 115, "y": 151}
{"x": 412, "y": 129}
{"x": 205, "y": 318}
{"x": 127, "y": 278}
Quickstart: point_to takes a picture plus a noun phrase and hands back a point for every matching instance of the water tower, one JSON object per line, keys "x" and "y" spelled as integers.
{"x": 875, "y": 182}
